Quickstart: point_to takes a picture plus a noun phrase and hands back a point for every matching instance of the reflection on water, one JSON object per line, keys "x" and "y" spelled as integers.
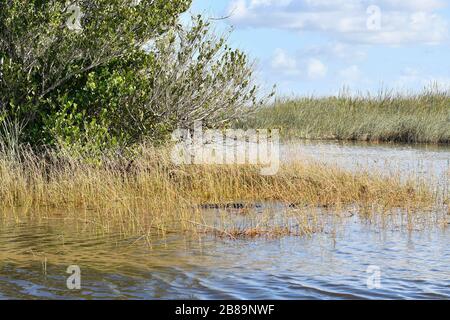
{"x": 34, "y": 255}
{"x": 34, "y": 259}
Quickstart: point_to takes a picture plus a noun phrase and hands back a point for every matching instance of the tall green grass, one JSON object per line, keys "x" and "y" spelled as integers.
{"x": 421, "y": 118}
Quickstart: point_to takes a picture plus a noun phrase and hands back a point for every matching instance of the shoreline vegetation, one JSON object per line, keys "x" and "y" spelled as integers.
{"x": 152, "y": 196}
{"x": 388, "y": 117}
{"x": 86, "y": 114}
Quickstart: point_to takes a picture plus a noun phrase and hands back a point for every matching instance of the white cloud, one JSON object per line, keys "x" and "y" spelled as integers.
{"x": 336, "y": 50}
{"x": 289, "y": 66}
{"x": 281, "y": 60}
{"x": 415, "y": 78}
{"x": 413, "y": 5}
{"x": 238, "y": 9}
{"x": 316, "y": 69}
{"x": 351, "y": 74}
{"x": 402, "y": 21}
{"x": 285, "y": 64}
{"x": 267, "y": 3}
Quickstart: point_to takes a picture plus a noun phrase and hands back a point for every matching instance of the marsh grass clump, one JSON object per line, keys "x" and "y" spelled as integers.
{"x": 388, "y": 117}
{"x": 151, "y": 195}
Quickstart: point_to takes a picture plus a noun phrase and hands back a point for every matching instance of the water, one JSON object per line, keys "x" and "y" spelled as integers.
{"x": 35, "y": 254}
{"x": 423, "y": 162}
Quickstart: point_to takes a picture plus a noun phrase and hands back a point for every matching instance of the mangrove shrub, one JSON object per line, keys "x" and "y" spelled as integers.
{"x": 102, "y": 74}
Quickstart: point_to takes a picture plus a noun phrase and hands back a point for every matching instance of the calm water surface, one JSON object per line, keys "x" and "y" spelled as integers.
{"x": 34, "y": 255}
{"x": 429, "y": 163}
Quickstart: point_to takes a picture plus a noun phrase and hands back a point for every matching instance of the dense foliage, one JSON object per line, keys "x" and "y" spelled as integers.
{"x": 101, "y": 74}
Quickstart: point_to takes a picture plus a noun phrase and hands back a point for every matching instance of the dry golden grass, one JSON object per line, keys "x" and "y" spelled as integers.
{"x": 152, "y": 195}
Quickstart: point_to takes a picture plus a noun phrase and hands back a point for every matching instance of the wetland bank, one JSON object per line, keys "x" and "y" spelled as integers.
{"x": 153, "y": 229}
{"x": 90, "y": 94}
{"x": 143, "y": 227}
{"x": 153, "y": 195}
{"x": 151, "y": 254}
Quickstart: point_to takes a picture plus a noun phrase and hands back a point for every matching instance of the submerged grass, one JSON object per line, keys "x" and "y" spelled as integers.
{"x": 151, "y": 195}
{"x": 421, "y": 118}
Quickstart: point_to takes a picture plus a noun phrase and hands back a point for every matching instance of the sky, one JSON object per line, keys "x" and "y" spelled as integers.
{"x": 320, "y": 47}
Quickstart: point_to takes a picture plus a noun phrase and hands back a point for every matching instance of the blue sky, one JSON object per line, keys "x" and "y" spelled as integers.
{"x": 320, "y": 46}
